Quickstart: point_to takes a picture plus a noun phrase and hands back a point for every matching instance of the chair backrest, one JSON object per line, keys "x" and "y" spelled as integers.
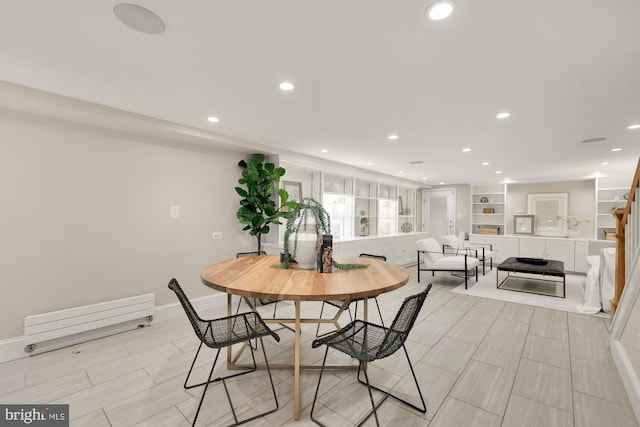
{"x": 461, "y": 237}
{"x": 405, "y": 319}
{"x": 380, "y": 257}
{"x": 248, "y": 254}
{"x": 433, "y": 251}
{"x": 452, "y": 241}
{"x": 199, "y": 325}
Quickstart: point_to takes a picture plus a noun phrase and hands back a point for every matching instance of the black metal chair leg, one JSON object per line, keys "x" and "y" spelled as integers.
{"x": 422, "y": 409}
{"x": 315, "y": 396}
{"x": 206, "y": 386}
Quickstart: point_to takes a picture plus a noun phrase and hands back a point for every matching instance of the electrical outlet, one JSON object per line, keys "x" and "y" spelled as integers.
{"x": 174, "y": 212}
{"x": 216, "y": 235}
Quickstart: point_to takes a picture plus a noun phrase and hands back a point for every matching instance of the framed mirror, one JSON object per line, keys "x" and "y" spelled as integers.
{"x": 549, "y": 210}
{"x": 524, "y": 225}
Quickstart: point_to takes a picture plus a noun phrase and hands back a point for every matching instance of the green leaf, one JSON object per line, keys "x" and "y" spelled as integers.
{"x": 242, "y": 192}
{"x": 284, "y": 196}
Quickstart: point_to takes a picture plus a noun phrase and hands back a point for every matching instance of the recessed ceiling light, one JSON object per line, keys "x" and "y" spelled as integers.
{"x": 466, "y": 150}
{"x": 442, "y": 183}
{"x": 635, "y": 126}
{"x": 604, "y": 163}
{"x": 503, "y": 115}
{"x": 139, "y": 18}
{"x": 286, "y": 86}
{"x": 213, "y": 119}
{"x": 440, "y": 10}
{"x": 485, "y": 163}
{"x": 498, "y": 172}
{"x": 324, "y": 150}
{"x": 400, "y": 172}
{"x": 392, "y": 136}
{"x": 616, "y": 149}
{"x": 424, "y": 178}
{"x": 370, "y": 163}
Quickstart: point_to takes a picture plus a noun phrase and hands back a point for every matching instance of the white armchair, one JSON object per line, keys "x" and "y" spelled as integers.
{"x": 431, "y": 258}
{"x": 482, "y": 251}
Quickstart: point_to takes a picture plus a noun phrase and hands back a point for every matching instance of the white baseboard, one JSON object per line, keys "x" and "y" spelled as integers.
{"x": 14, "y": 348}
{"x": 629, "y": 377}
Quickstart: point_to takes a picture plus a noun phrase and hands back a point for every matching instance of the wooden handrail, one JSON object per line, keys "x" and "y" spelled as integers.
{"x": 622, "y": 217}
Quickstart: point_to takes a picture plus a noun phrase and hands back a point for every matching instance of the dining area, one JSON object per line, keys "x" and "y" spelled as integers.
{"x": 287, "y": 342}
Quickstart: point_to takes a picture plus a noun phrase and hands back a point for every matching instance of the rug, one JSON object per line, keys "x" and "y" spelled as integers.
{"x": 486, "y": 288}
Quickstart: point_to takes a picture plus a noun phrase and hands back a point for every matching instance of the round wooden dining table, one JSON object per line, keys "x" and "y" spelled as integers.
{"x": 257, "y": 277}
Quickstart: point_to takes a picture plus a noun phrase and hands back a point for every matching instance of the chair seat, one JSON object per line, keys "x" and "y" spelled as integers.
{"x": 360, "y": 340}
{"x": 455, "y": 263}
{"x": 236, "y": 329}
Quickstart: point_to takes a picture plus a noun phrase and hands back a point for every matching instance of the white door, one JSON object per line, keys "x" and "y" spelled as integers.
{"x": 438, "y": 212}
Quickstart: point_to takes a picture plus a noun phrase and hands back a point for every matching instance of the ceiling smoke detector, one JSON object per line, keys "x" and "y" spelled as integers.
{"x": 139, "y": 18}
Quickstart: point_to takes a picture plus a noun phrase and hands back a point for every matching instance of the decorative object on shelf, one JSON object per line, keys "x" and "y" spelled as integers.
{"x": 257, "y": 207}
{"x": 524, "y": 224}
{"x": 363, "y": 212}
{"x": 364, "y": 226}
{"x": 488, "y": 210}
{"x": 572, "y": 224}
{"x": 400, "y": 207}
{"x": 406, "y": 227}
{"x": 484, "y": 199}
{"x": 625, "y": 196}
{"x": 489, "y": 229}
{"x": 307, "y": 221}
{"x": 549, "y": 209}
{"x": 294, "y": 189}
{"x": 325, "y": 252}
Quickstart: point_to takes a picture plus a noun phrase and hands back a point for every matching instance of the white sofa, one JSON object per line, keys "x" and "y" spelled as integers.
{"x": 600, "y": 285}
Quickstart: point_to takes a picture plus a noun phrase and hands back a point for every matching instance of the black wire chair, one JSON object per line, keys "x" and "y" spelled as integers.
{"x": 221, "y": 333}
{"x": 345, "y": 304}
{"x": 367, "y": 342}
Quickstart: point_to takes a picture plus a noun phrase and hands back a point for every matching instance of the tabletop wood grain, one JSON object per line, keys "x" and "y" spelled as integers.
{"x": 256, "y": 277}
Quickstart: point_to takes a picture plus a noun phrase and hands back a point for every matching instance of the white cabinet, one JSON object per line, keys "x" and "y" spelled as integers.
{"x": 572, "y": 253}
{"x": 580, "y": 258}
{"x": 556, "y": 249}
{"x": 399, "y": 249}
{"x": 503, "y": 246}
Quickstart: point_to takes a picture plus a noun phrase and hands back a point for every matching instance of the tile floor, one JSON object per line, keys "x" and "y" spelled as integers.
{"x": 480, "y": 362}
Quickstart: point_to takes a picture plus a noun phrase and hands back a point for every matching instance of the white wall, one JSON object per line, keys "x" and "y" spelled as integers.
{"x": 85, "y": 217}
{"x": 582, "y": 201}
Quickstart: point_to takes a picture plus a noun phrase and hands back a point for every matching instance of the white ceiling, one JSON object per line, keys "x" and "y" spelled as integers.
{"x": 567, "y": 70}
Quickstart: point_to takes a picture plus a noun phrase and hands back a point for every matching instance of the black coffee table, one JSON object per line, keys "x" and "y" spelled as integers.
{"x": 529, "y": 282}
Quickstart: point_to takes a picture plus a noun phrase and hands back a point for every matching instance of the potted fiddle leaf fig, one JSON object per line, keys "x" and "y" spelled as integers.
{"x": 258, "y": 209}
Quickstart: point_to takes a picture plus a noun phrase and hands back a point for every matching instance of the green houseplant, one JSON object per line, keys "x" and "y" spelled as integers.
{"x": 258, "y": 209}
{"x": 305, "y": 216}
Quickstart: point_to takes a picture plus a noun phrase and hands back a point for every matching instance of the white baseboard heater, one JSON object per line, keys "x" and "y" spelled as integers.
{"x": 78, "y": 321}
